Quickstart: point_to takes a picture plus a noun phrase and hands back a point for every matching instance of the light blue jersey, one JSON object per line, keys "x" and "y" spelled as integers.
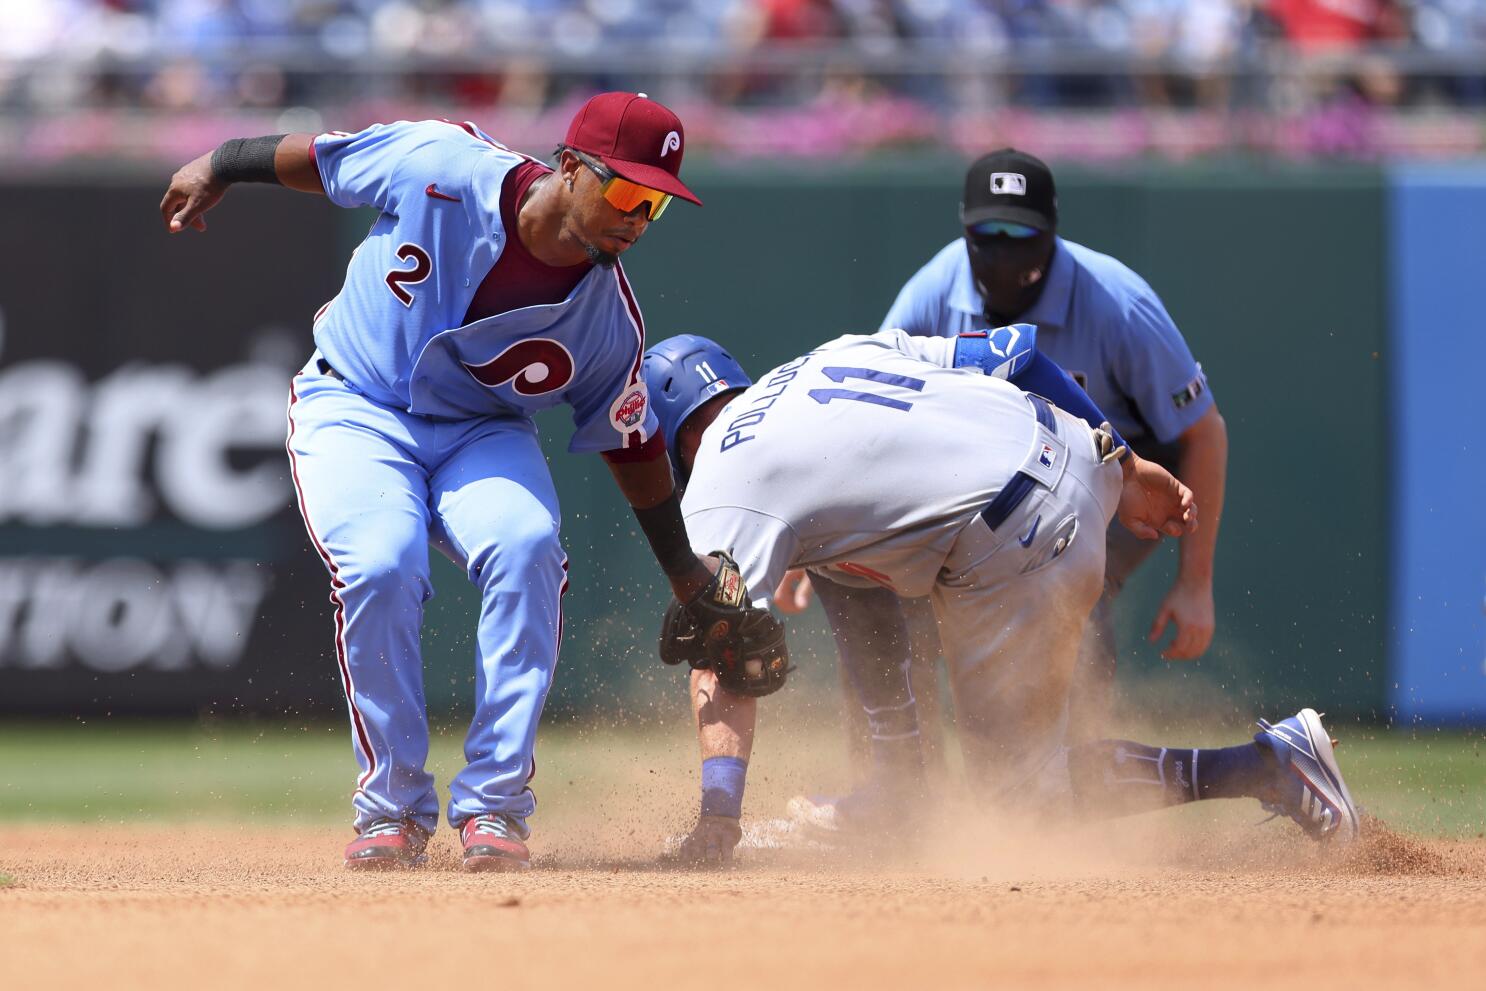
{"x": 419, "y": 432}
{"x": 1095, "y": 318}
{"x": 396, "y": 330}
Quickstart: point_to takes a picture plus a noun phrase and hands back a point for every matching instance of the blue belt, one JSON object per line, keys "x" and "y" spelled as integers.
{"x": 1021, "y": 484}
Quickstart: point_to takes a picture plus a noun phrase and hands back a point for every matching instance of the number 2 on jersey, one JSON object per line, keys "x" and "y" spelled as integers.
{"x": 400, "y": 277}
{"x": 836, "y": 373}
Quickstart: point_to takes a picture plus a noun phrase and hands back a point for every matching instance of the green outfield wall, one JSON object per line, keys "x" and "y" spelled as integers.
{"x": 152, "y": 559}
{"x": 1275, "y": 277}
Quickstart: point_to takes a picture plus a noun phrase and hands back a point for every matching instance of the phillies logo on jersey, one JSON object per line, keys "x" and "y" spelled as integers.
{"x": 534, "y": 367}
{"x": 629, "y": 409}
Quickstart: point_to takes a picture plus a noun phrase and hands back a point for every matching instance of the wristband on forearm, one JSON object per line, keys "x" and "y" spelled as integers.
{"x": 247, "y": 159}
{"x": 722, "y": 786}
{"x": 666, "y": 532}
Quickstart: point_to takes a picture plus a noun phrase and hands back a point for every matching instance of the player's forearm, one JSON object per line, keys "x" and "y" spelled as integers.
{"x": 648, "y": 488}
{"x": 1047, "y": 378}
{"x": 200, "y": 184}
{"x": 1203, "y": 466}
{"x": 645, "y": 481}
{"x": 725, "y": 722}
{"x": 294, "y": 163}
{"x": 281, "y": 159}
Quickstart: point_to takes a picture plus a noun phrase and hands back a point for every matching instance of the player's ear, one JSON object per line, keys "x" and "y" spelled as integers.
{"x": 567, "y": 167}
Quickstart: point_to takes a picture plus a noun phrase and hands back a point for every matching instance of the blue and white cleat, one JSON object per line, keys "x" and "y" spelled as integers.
{"x": 1309, "y": 786}
{"x": 868, "y": 816}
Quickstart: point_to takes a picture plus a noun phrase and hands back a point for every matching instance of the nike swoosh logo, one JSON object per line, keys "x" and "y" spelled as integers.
{"x": 1027, "y": 540}
{"x": 433, "y": 190}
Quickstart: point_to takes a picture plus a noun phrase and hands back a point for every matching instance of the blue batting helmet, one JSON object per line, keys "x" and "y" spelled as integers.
{"x": 682, "y": 373}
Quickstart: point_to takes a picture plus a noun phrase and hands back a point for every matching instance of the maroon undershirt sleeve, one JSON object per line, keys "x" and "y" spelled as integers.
{"x": 653, "y": 448}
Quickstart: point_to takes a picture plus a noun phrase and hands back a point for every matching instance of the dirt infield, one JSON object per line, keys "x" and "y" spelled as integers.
{"x": 230, "y": 907}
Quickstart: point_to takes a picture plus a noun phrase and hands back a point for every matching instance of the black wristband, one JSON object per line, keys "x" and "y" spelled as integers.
{"x": 247, "y": 159}
{"x": 667, "y": 535}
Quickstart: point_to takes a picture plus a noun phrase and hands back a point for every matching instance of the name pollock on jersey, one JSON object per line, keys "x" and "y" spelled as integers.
{"x": 754, "y": 415}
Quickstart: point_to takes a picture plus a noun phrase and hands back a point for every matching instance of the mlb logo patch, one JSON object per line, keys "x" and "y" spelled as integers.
{"x": 1008, "y": 184}
{"x": 1047, "y": 457}
{"x": 1189, "y": 392}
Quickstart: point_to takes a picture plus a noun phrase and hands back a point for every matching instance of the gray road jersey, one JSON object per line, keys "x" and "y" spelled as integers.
{"x": 864, "y": 458}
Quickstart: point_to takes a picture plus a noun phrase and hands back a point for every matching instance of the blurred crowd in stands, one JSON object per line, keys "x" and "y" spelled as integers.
{"x": 879, "y": 65}
{"x": 1051, "y": 52}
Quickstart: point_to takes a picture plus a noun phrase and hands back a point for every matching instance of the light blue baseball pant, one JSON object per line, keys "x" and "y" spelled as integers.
{"x": 376, "y": 486}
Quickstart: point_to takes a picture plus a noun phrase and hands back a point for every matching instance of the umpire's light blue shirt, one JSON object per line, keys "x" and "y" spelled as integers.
{"x": 1096, "y": 318}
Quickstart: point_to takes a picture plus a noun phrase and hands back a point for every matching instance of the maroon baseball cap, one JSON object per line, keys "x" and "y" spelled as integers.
{"x": 638, "y": 138}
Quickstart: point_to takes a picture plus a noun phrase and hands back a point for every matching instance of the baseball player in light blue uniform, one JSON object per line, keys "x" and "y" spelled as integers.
{"x": 487, "y": 289}
{"x": 893, "y": 466}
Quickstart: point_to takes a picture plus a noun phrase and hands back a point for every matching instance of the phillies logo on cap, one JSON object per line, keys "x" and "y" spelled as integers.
{"x": 635, "y": 138}
{"x": 1008, "y": 184}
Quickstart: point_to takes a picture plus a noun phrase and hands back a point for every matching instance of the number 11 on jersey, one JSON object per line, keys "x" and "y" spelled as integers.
{"x": 837, "y": 373}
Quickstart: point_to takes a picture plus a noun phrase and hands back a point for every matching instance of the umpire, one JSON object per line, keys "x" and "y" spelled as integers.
{"x": 1107, "y": 327}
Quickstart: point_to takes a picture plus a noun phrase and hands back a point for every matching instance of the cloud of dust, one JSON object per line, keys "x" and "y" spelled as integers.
{"x": 641, "y": 790}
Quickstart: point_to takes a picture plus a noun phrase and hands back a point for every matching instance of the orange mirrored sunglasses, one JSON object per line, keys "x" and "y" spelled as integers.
{"x": 624, "y": 195}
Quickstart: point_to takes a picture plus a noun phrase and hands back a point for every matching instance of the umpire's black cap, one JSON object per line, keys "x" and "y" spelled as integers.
{"x": 1010, "y": 185}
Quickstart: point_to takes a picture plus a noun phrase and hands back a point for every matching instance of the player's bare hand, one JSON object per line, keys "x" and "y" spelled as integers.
{"x": 193, "y": 191}
{"x": 794, "y": 592}
{"x": 710, "y": 842}
{"x": 1189, "y": 605}
{"x": 1153, "y": 502}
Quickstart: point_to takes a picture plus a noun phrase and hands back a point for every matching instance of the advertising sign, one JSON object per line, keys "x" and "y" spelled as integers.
{"x": 151, "y": 555}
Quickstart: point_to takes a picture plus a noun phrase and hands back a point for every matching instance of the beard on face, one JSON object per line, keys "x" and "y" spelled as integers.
{"x": 600, "y": 257}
